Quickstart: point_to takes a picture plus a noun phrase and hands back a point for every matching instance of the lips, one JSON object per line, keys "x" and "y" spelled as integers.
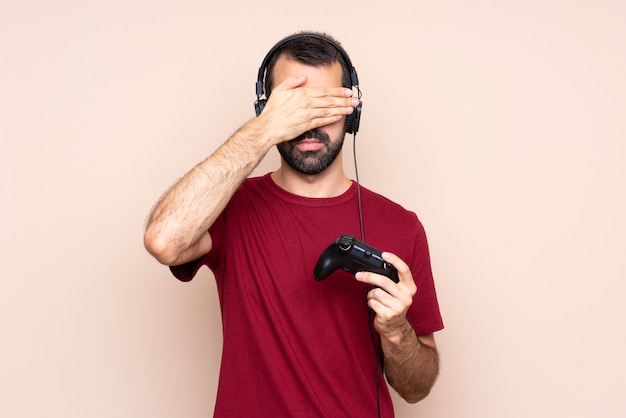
{"x": 309, "y": 144}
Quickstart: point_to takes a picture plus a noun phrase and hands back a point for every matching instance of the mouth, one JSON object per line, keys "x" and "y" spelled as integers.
{"x": 308, "y": 144}
{"x": 312, "y": 140}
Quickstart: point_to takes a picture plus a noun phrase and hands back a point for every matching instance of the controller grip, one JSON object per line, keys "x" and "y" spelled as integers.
{"x": 351, "y": 255}
{"x": 326, "y": 264}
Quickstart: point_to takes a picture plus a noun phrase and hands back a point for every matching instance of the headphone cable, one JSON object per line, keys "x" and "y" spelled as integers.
{"x": 369, "y": 311}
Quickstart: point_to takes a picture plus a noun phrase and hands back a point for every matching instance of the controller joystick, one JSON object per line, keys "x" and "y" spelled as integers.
{"x": 352, "y": 255}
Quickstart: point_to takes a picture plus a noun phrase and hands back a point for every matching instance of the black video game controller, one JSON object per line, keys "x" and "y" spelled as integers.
{"x": 353, "y": 256}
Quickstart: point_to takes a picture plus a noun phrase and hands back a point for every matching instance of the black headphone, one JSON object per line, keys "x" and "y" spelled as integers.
{"x": 353, "y": 120}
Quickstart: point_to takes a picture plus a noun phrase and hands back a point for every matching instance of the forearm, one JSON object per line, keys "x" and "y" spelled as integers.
{"x": 182, "y": 217}
{"x": 411, "y": 363}
{"x": 177, "y": 229}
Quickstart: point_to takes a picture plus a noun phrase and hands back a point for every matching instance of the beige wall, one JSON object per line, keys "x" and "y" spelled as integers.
{"x": 501, "y": 123}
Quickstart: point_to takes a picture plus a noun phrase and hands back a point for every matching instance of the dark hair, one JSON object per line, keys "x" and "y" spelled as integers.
{"x": 309, "y": 50}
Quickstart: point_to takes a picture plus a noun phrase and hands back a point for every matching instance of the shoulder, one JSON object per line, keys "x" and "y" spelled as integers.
{"x": 379, "y": 204}
{"x": 252, "y": 187}
{"x": 254, "y": 183}
{"x": 389, "y": 224}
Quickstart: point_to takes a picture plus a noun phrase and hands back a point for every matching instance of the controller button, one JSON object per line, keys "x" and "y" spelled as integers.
{"x": 344, "y": 244}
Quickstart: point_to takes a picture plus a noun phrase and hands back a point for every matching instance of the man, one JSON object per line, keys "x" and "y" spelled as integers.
{"x": 294, "y": 346}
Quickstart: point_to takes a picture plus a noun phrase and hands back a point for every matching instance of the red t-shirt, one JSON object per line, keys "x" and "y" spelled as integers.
{"x": 294, "y": 346}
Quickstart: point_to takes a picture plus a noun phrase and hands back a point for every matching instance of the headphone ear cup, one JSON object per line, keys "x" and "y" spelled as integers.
{"x": 353, "y": 120}
{"x": 259, "y": 105}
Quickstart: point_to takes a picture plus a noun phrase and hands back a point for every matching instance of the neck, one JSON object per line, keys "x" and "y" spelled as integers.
{"x": 331, "y": 182}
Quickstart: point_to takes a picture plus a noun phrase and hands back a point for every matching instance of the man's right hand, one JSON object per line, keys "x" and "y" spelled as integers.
{"x": 177, "y": 229}
{"x": 293, "y": 109}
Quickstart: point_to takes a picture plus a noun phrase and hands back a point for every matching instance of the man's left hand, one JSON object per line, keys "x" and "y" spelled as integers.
{"x": 390, "y": 301}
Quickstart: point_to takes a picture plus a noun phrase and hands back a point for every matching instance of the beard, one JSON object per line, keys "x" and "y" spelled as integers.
{"x": 311, "y": 162}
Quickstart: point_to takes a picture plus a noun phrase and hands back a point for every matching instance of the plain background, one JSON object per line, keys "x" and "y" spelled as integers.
{"x": 501, "y": 123}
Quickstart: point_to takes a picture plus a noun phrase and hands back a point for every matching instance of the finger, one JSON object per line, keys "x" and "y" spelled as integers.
{"x": 404, "y": 272}
{"x": 328, "y": 115}
{"x": 343, "y": 105}
{"x": 380, "y": 296}
{"x": 291, "y": 83}
{"x": 386, "y": 307}
{"x": 330, "y": 92}
{"x": 318, "y": 122}
{"x": 321, "y": 116}
{"x": 380, "y": 282}
{"x": 372, "y": 278}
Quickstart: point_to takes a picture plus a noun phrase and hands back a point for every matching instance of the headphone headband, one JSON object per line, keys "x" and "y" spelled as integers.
{"x": 352, "y": 120}
{"x": 354, "y": 79}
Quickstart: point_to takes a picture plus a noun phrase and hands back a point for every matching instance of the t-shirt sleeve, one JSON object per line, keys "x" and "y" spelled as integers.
{"x": 424, "y": 313}
{"x": 187, "y": 271}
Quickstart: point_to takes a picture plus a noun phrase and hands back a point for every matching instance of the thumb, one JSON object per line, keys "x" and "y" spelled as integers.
{"x": 291, "y": 83}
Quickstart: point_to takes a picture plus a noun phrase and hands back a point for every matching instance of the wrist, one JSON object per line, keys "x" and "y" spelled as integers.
{"x": 265, "y": 130}
{"x": 399, "y": 335}
{"x": 254, "y": 136}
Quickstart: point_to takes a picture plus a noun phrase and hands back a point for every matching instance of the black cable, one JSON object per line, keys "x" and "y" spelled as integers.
{"x": 358, "y": 188}
{"x": 369, "y": 311}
